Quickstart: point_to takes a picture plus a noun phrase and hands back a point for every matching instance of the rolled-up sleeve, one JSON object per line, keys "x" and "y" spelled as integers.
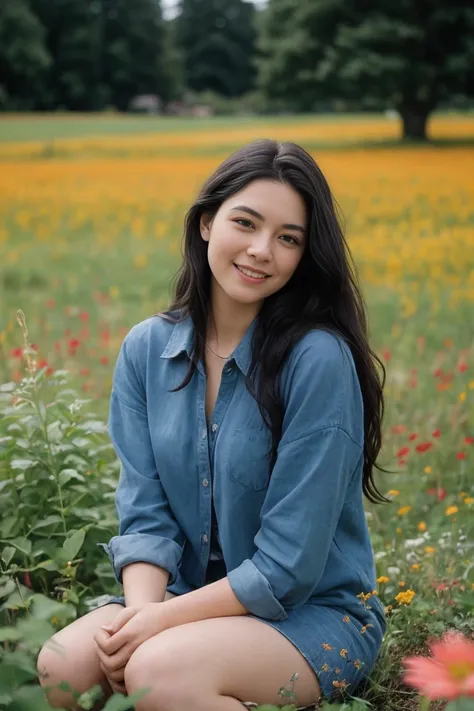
{"x": 307, "y": 488}
{"x": 148, "y": 531}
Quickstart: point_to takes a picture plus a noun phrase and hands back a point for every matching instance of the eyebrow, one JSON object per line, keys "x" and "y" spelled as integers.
{"x": 244, "y": 208}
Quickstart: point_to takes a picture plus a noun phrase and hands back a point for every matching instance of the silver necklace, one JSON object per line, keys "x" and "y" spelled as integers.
{"x": 217, "y": 354}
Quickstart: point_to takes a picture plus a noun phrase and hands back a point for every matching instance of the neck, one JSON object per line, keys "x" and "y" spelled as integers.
{"x": 228, "y": 321}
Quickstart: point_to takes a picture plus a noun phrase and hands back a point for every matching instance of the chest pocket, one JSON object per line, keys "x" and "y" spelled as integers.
{"x": 247, "y": 463}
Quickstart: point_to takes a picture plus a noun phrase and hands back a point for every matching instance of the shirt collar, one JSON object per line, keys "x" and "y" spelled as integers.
{"x": 181, "y": 340}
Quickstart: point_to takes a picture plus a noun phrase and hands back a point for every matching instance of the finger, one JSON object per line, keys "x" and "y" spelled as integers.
{"x": 101, "y": 638}
{"x": 116, "y": 641}
{"x": 117, "y": 676}
{"x": 115, "y": 661}
{"x": 118, "y": 688}
{"x": 122, "y": 618}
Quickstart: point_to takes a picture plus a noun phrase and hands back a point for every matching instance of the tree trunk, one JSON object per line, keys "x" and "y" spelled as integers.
{"x": 415, "y": 119}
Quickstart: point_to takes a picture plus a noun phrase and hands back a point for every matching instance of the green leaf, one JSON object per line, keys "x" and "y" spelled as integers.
{"x": 68, "y": 474}
{"x": 118, "y": 702}
{"x": 73, "y": 544}
{"x": 54, "y": 518}
{"x": 22, "y": 464}
{"x": 9, "y": 634}
{"x": 29, "y": 698}
{"x": 22, "y": 544}
{"x": 7, "y": 554}
{"x": 90, "y": 697}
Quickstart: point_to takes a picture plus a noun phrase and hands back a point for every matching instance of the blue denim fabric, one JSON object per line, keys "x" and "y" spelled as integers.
{"x": 298, "y": 536}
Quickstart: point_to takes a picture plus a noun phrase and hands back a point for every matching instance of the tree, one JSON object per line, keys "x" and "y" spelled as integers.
{"x": 24, "y": 58}
{"x": 135, "y": 59}
{"x": 72, "y": 39}
{"x": 217, "y": 39}
{"x": 406, "y": 54}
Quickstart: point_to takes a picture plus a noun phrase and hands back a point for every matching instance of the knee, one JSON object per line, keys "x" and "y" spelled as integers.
{"x": 50, "y": 673}
{"x": 147, "y": 669}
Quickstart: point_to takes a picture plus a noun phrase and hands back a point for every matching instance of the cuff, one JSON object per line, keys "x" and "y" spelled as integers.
{"x": 143, "y": 548}
{"x": 253, "y": 590}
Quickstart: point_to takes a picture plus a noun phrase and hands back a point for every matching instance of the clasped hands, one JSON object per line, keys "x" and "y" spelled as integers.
{"x": 117, "y": 642}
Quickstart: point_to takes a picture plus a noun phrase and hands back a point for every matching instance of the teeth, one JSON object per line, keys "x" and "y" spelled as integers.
{"x": 249, "y": 273}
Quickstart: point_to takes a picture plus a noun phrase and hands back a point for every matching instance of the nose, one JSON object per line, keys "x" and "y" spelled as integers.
{"x": 261, "y": 247}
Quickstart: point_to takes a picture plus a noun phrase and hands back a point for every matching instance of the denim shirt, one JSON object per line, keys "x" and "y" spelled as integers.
{"x": 298, "y": 536}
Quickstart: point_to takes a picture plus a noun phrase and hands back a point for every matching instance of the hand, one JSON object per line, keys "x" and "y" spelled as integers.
{"x": 117, "y": 642}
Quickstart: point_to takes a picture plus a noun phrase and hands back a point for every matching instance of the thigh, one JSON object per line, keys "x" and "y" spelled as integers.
{"x": 71, "y": 656}
{"x": 240, "y": 657}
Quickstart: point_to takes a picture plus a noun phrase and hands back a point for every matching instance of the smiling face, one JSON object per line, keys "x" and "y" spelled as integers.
{"x": 256, "y": 241}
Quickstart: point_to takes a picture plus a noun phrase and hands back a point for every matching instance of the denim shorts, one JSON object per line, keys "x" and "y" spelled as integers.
{"x": 341, "y": 649}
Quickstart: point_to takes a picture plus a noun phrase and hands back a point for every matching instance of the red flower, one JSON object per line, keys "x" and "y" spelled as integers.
{"x": 423, "y": 446}
{"x": 460, "y": 455}
{"x": 34, "y": 347}
{"x": 413, "y": 436}
{"x": 73, "y": 343}
{"x": 398, "y": 429}
{"x": 436, "y": 433}
{"x": 403, "y": 451}
{"x": 468, "y": 440}
{"x": 462, "y": 367}
{"x": 16, "y": 352}
{"x": 438, "y": 373}
{"x": 50, "y": 303}
{"x": 104, "y": 360}
{"x": 49, "y": 370}
{"x": 43, "y": 363}
{"x": 84, "y": 316}
{"x": 387, "y": 355}
{"x": 85, "y": 372}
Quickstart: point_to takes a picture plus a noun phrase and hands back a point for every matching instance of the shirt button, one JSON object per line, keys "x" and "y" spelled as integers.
{"x": 214, "y": 427}
{"x": 205, "y": 538}
{"x": 205, "y": 482}
{"x": 203, "y": 434}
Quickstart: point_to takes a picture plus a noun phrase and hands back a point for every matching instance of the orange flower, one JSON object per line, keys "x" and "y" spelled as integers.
{"x": 448, "y": 674}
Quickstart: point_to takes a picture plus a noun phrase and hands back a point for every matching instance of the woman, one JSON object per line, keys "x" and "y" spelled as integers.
{"x": 247, "y": 420}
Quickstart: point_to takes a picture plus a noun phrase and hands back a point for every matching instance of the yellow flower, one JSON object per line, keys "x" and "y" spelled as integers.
{"x": 415, "y": 566}
{"x": 430, "y": 549}
{"x": 427, "y": 470}
{"x": 403, "y": 510}
{"x": 141, "y": 260}
{"x": 471, "y": 385}
{"x": 422, "y": 526}
{"x": 343, "y": 652}
{"x": 383, "y": 579}
{"x": 398, "y": 530}
{"x": 451, "y": 510}
{"x": 393, "y": 492}
{"x": 462, "y": 396}
{"x": 405, "y": 598}
{"x": 402, "y": 583}
{"x": 114, "y": 291}
{"x": 468, "y": 500}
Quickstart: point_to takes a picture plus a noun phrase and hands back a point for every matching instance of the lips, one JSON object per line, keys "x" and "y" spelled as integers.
{"x": 252, "y": 269}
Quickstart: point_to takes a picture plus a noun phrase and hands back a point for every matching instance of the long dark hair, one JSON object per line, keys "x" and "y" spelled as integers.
{"x": 322, "y": 293}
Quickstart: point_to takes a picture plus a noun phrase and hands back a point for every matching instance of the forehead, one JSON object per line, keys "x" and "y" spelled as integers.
{"x": 276, "y": 202}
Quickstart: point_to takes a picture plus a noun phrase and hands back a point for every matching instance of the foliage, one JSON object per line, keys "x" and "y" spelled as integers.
{"x": 217, "y": 39}
{"x": 409, "y": 55}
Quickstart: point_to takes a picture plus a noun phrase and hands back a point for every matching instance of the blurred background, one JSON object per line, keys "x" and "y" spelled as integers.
{"x": 112, "y": 114}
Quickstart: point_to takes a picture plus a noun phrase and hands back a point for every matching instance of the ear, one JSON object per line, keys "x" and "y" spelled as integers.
{"x": 205, "y": 225}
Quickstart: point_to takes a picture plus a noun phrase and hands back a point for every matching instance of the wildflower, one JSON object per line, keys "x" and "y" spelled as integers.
{"x": 403, "y": 451}
{"x": 413, "y": 436}
{"x": 451, "y": 510}
{"x": 339, "y": 684}
{"x": 460, "y": 456}
{"x": 462, "y": 396}
{"x": 430, "y": 549}
{"x": 427, "y": 470}
{"x": 436, "y": 433}
{"x": 383, "y": 579}
{"x": 363, "y": 629}
{"x": 327, "y": 646}
{"x": 422, "y": 526}
{"x": 415, "y": 566}
{"x": 346, "y": 618}
{"x": 358, "y": 664}
{"x": 344, "y": 653}
{"x": 393, "y": 492}
{"x": 405, "y": 598}
{"x": 462, "y": 367}
{"x": 424, "y": 446}
{"x": 468, "y": 440}
{"x": 470, "y": 385}
{"x": 325, "y": 667}
{"x": 403, "y": 510}
{"x": 469, "y": 500}
{"x": 448, "y": 673}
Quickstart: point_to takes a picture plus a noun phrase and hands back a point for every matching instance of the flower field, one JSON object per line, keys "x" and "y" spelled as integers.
{"x": 90, "y": 231}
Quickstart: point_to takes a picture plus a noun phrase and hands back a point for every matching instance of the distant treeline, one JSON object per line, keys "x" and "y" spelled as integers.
{"x": 294, "y": 55}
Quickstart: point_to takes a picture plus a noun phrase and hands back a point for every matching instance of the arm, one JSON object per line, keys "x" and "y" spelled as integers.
{"x": 149, "y": 545}
{"x": 316, "y": 460}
